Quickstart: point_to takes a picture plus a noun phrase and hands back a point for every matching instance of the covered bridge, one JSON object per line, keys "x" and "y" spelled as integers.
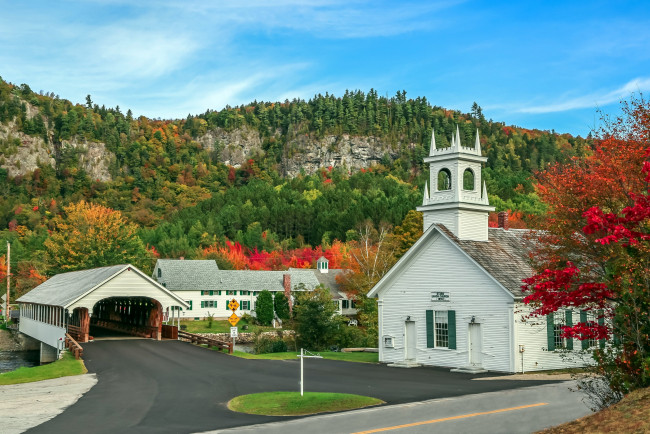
{"x": 119, "y": 298}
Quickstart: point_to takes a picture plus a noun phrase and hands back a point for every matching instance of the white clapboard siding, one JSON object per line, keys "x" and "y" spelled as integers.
{"x": 473, "y": 225}
{"x": 441, "y": 266}
{"x": 219, "y": 312}
{"x": 532, "y": 333}
{"x": 447, "y": 217}
{"x": 48, "y": 333}
{"x": 126, "y": 284}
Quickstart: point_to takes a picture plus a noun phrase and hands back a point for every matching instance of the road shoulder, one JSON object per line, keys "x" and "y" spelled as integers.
{"x": 27, "y": 405}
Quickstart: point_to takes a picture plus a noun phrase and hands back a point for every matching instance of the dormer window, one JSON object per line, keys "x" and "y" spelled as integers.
{"x": 159, "y": 272}
{"x": 322, "y": 264}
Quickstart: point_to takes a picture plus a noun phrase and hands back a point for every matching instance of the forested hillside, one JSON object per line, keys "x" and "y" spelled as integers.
{"x": 272, "y": 176}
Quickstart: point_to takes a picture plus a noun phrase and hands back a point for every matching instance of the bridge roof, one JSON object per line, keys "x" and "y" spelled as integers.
{"x": 65, "y": 288}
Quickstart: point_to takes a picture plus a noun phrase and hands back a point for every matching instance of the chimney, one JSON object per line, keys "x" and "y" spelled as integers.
{"x": 502, "y": 220}
{"x": 286, "y": 282}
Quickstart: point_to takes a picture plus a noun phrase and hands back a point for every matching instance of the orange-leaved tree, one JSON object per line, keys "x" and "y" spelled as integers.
{"x": 88, "y": 235}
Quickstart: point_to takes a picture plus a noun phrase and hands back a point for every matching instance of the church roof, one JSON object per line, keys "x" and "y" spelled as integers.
{"x": 506, "y": 256}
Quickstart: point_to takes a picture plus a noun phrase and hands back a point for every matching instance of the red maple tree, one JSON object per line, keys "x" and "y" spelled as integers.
{"x": 594, "y": 252}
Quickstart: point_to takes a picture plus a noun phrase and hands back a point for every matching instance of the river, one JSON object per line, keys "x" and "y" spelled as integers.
{"x": 11, "y": 360}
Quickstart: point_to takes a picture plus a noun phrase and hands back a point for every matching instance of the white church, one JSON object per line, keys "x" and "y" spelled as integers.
{"x": 454, "y": 299}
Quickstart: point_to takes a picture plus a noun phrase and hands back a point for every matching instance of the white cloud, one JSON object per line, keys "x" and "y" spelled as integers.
{"x": 592, "y": 100}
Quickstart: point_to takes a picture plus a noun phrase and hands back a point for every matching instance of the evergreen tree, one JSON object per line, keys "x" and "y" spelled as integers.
{"x": 264, "y": 307}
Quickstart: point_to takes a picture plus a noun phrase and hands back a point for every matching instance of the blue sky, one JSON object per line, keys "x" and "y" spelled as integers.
{"x": 547, "y": 65}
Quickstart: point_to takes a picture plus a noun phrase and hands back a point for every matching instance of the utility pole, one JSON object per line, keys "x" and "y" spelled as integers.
{"x": 8, "y": 280}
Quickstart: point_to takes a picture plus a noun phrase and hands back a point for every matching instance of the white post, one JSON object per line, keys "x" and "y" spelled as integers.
{"x": 302, "y": 358}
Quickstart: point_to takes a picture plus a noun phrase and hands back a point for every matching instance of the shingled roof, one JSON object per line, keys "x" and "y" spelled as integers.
{"x": 186, "y": 275}
{"x": 64, "y": 288}
{"x": 328, "y": 280}
{"x": 259, "y": 280}
{"x": 506, "y": 255}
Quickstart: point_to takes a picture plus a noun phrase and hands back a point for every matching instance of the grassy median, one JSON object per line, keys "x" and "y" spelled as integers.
{"x": 63, "y": 367}
{"x": 292, "y": 404}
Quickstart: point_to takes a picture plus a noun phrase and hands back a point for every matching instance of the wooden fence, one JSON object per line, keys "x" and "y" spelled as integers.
{"x": 73, "y": 346}
{"x": 202, "y": 340}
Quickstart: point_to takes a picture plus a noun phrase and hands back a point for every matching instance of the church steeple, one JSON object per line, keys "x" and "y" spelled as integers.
{"x": 455, "y": 195}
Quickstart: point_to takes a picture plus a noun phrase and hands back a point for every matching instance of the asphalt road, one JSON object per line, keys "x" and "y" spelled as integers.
{"x": 146, "y": 386}
{"x": 516, "y": 411}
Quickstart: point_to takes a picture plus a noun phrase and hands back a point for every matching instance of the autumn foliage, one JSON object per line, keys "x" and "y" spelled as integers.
{"x": 595, "y": 251}
{"x": 90, "y": 235}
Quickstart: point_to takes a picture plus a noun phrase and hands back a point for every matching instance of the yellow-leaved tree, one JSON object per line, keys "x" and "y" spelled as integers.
{"x": 88, "y": 235}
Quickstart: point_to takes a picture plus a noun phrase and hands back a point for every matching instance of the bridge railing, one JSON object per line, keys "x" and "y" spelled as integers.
{"x": 73, "y": 346}
{"x": 202, "y": 340}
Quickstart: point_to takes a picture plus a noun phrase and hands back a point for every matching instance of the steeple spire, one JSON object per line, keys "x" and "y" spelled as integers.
{"x": 425, "y": 199}
{"x": 457, "y": 138}
{"x": 433, "y": 144}
{"x": 485, "y": 196}
{"x": 477, "y": 144}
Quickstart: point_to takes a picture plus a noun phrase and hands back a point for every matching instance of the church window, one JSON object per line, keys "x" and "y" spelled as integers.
{"x": 468, "y": 179}
{"x": 444, "y": 180}
{"x": 441, "y": 329}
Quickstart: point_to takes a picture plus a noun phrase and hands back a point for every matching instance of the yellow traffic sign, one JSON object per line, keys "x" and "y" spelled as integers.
{"x": 233, "y": 319}
{"x": 233, "y": 305}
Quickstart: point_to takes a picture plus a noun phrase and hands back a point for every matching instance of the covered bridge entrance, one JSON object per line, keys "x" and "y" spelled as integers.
{"x": 116, "y": 300}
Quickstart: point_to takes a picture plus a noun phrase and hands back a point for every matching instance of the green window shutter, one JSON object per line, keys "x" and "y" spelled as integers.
{"x": 202, "y": 304}
{"x": 241, "y": 304}
{"x": 218, "y": 292}
{"x": 452, "y": 329}
{"x": 190, "y": 304}
{"x": 568, "y": 315}
{"x": 550, "y": 332}
{"x": 583, "y": 319}
{"x": 429, "y": 328}
{"x": 211, "y": 292}
{"x": 601, "y": 321}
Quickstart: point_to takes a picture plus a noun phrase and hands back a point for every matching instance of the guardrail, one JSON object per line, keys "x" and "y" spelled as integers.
{"x": 73, "y": 346}
{"x": 196, "y": 339}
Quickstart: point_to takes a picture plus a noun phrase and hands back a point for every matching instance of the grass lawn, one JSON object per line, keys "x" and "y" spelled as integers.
{"x": 291, "y": 355}
{"x": 64, "y": 367}
{"x": 632, "y": 414}
{"x": 292, "y": 404}
{"x": 220, "y": 326}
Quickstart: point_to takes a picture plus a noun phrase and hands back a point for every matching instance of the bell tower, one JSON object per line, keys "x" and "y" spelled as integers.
{"x": 457, "y": 197}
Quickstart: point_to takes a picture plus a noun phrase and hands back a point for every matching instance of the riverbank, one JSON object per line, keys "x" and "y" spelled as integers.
{"x": 16, "y": 341}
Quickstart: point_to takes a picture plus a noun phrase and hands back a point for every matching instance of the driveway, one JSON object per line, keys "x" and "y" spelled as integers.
{"x": 146, "y": 386}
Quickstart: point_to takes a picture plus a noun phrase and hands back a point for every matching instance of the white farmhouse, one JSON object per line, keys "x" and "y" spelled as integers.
{"x": 207, "y": 289}
{"x": 454, "y": 299}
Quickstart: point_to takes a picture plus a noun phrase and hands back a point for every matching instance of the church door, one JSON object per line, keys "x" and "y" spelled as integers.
{"x": 475, "y": 345}
{"x": 411, "y": 340}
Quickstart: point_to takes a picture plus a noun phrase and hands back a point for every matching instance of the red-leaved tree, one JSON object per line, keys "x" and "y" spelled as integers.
{"x": 594, "y": 252}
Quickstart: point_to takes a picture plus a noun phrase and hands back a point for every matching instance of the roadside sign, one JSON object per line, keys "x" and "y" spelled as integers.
{"x": 233, "y": 305}
{"x": 234, "y": 332}
{"x": 233, "y": 319}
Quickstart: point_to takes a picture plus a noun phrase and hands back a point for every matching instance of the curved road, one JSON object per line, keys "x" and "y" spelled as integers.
{"x": 146, "y": 386}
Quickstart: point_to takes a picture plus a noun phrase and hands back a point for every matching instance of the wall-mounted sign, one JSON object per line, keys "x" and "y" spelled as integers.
{"x": 439, "y": 296}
